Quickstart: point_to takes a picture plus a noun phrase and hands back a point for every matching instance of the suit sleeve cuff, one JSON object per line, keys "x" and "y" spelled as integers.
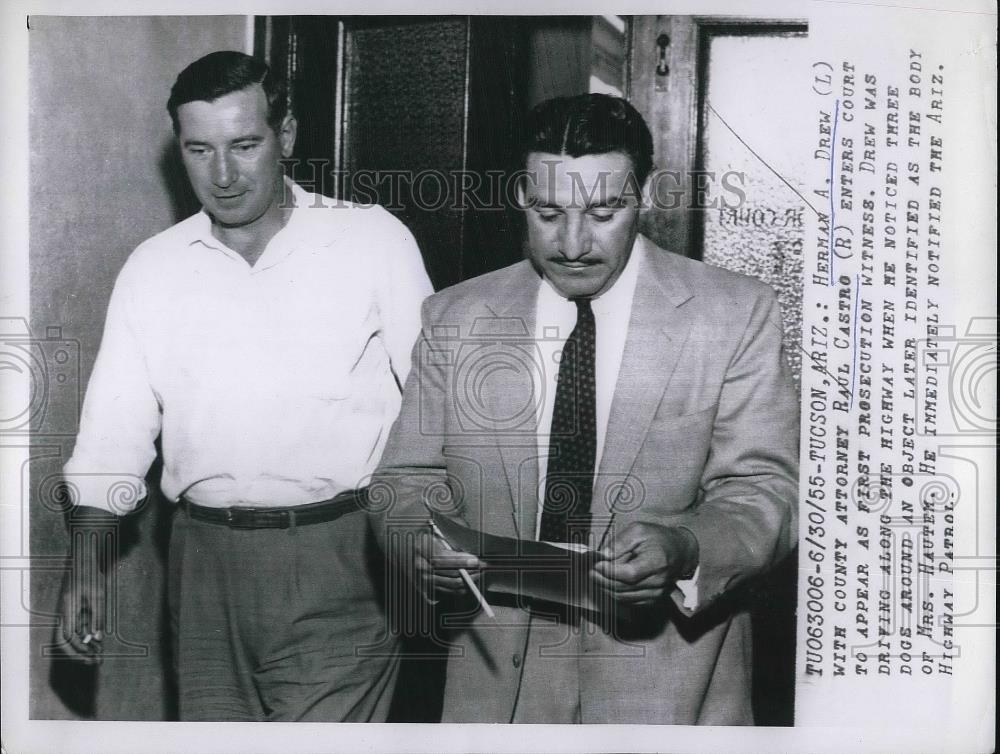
{"x": 689, "y": 591}
{"x": 685, "y": 593}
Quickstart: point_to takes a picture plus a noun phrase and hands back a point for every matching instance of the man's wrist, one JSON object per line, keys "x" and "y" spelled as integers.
{"x": 93, "y": 536}
{"x": 687, "y": 562}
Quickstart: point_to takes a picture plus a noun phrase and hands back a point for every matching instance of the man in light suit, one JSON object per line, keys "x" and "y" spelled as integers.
{"x": 608, "y": 392}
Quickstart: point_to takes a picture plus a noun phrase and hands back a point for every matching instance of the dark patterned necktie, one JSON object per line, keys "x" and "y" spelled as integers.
{"x": 569, "y": 481}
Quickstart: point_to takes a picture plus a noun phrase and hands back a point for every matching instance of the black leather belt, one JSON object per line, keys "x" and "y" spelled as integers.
{"x": 247, "y": 517}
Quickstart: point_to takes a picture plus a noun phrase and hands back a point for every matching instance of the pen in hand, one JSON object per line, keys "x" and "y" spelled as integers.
{"x": 464, "y": 574}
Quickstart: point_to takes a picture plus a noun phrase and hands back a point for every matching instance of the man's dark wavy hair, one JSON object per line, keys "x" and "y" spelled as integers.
{"x": 221, "y": 73}
{"x": 589, "y": 124}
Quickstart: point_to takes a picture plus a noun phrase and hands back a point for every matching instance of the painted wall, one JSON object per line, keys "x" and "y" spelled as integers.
{"x": 103, "y": 177}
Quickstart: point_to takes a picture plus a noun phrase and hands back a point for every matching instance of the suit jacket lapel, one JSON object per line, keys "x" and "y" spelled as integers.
{"x": 514, "y": 310}
{"x": 658, "y": 329}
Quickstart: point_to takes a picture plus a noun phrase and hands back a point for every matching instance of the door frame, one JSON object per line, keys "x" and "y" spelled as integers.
{"x": 667, "y": 82}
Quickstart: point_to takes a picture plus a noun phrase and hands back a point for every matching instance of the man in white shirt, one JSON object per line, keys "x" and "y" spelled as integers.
{"x": 610, "y": 393}
{"x": 264, "y": 340}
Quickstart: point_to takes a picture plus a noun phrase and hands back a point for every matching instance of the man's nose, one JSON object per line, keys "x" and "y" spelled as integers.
{"x": 223, "y": 173}
{"x": 575, "y": 241}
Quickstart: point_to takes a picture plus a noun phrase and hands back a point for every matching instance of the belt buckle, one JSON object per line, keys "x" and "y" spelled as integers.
{"x": 240, "y": 517}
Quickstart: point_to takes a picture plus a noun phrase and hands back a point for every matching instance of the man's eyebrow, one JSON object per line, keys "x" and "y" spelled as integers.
{"x": 235, "y": 140}
{"x": 616, "y": 202}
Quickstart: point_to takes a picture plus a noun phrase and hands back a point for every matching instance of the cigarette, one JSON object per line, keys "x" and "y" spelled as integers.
{"x": 479, "y": 595}
{"x": 465, "y": 576}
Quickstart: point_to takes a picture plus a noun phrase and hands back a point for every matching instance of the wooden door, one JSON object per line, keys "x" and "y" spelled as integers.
{"x": 412, "y": 113}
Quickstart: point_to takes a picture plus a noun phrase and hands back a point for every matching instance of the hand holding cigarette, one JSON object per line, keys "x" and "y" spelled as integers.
{"x": 440, "y": 569}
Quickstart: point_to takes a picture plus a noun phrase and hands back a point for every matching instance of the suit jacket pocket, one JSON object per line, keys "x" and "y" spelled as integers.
{"x": 673, "y": 456}
{"x": 675, "y": 424}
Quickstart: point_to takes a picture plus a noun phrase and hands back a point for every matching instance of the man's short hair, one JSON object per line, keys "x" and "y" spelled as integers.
{"x": 221, "y": 73}
{"x": 589, "y": 124}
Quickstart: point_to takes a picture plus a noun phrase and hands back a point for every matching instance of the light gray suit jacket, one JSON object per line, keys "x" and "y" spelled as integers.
{"x": 703, "y": 433}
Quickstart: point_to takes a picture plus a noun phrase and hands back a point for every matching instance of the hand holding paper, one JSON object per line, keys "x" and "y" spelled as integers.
{"x": 551, "y": 572}
{"x": 643, "y": 561}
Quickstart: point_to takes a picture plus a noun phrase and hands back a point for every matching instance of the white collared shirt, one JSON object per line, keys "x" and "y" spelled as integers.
{"x": 555, "y": 318}
{"x": 269, "y": 385}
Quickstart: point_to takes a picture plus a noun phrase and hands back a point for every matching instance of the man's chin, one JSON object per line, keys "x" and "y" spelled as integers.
{"x": 230, "y": 218}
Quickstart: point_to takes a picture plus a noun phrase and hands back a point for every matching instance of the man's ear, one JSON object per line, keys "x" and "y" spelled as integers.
{"x": 286, "y": 135}
{"x": 522, "y": 200}
{"x": 647, "y": 190}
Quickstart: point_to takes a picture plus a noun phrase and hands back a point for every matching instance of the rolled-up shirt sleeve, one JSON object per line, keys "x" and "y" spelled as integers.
{"x": 121, "y": 414}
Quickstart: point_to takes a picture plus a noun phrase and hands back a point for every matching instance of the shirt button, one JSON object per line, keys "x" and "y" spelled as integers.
{"x": 516, "y": 661}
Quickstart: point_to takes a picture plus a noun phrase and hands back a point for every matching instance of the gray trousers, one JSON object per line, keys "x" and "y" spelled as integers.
{"x": 280, "y": 624}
